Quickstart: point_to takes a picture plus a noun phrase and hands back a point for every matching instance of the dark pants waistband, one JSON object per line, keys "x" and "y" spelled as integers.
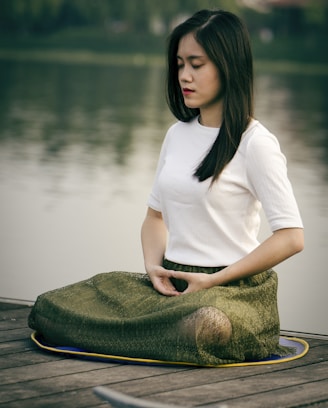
{"x": 182, "y": 285}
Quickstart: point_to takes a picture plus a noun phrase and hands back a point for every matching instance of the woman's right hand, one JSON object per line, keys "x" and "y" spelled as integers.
{"x": 160, "y": 278}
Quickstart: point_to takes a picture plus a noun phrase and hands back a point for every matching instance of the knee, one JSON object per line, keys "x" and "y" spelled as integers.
{"x": 216, "y": 324}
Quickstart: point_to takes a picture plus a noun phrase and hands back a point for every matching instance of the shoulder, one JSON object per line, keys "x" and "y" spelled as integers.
{"x": 261, "y": 151}
{"x": 258, "y": 138}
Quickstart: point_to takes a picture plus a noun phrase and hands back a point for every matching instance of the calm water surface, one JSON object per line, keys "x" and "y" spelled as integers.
{"x": 78, "y": 151}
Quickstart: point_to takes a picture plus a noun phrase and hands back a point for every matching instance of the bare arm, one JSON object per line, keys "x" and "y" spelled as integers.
{"x": 281, "y": 245}
{"x": 153, "y": 239}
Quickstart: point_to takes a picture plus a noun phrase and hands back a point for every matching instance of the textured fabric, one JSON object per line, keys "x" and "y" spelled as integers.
{"x": 119, "y": 313}
{"x": 226, "y": 216}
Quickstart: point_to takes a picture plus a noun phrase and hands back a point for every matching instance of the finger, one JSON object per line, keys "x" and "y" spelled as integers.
{"x": 168, "y": 292}
{"x": 166, "y": 288}
{"x": 188, "y": 290}
{"x": 180, "y": 275}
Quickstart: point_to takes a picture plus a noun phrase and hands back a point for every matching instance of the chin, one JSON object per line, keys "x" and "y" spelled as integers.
{"x": 191, "y": 105}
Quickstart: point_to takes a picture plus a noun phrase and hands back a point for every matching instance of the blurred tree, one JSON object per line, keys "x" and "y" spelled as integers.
{"x": 143, "y": 24}
{"x": 47, "y": 15}
{"x": 316, "y": 16}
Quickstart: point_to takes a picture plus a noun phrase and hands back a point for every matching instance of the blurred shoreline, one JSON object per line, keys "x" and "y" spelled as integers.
{"x": 88, "y": 57}
{"x": 93, "y": 45}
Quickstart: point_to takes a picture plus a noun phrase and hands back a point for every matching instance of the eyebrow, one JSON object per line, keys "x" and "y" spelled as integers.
{"x": 191, "y": 57}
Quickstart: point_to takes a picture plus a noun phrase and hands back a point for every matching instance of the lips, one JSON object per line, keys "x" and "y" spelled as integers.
{"x": 187, "y": 91}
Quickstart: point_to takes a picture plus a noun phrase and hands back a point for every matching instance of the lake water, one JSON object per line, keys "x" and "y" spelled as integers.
{"x": 78, "y": 150}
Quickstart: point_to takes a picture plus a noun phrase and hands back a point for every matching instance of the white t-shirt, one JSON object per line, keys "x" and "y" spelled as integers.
{"x": 219, "y": 225}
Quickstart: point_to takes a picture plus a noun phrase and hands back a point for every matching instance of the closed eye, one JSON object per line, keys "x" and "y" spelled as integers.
{"x": 195, "y": 61}
{"x": 180, "y": 66}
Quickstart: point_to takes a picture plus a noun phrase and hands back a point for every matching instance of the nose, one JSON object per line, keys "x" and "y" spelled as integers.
{"x": 185, "y": 74}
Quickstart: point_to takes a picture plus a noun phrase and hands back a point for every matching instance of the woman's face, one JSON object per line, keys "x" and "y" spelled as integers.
{"x": 199, "y": 78}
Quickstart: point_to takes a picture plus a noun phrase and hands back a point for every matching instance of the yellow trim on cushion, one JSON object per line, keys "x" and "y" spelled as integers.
{"x": 162, "y": 362}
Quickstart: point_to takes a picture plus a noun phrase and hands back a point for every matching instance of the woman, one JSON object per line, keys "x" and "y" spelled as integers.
{"x": 217, "y": 167}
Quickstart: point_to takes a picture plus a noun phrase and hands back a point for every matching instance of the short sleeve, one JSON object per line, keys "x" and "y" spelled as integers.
{"x": 266, "y": 170}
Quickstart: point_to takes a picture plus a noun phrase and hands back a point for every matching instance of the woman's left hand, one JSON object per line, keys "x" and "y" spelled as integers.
{"x": 196, "y": 281}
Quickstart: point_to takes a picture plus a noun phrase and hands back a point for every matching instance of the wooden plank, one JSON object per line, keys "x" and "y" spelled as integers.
{"x": 190, "y": 378}
{"x": 11, "y": 306}
{"x": 308, "y": 394}
{"x": 48, "y": 369}
{"x": 242, "y": 387}
{"x": 16, "y": 346}
{"x": 72, "y": 380}
{"x": 15, "y": 334}
{"x": 318, "y": 353}
{"x": 21, "y": 313}
{"x": 196, "y": 377}
{"x": 178, "y": 379}
{"x": 11, "y": 322}
{"x": 83, "y": 398}
{"x": 317, "y": 342}
{"x": 32, "y": 378}
{"x": 25, "y": 358}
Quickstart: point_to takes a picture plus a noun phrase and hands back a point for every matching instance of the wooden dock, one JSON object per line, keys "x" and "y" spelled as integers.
{"x": 32, "y": 378}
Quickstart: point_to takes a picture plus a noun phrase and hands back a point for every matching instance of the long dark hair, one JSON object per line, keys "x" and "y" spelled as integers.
{"x": 225, "y": 39}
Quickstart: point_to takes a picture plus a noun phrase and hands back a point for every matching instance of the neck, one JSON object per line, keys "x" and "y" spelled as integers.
{"x": 210, "y": 117}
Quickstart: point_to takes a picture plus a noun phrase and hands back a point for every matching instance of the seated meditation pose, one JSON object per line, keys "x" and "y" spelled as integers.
{"x": 209, "y": 294}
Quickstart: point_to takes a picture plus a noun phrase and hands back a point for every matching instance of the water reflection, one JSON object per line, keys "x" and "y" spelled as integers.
{"x": 65, "y": 105}
{"x": 301, "y": 105}
{"x": 78, "y": 150}
{"x": 296, "y": 111}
